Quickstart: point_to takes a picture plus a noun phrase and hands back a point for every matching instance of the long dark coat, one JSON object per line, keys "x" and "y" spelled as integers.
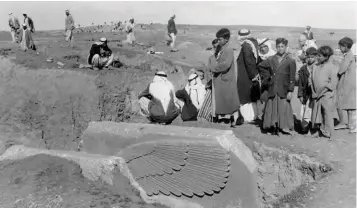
{"x": 224, "y": 81}
{"x": 247, "y": 70}
{"x": 278, "y": 78}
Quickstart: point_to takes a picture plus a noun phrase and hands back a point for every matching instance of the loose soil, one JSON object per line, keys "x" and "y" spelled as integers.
{"x": 47, "y": 181}
{"x": 53, "y": 107}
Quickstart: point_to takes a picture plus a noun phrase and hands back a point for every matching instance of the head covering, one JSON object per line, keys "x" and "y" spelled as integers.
{"x": 10, "y": 13}
{"x": 103, "y": 40}
{"x": 311, "y": 51}
{"x": 266, "y": 42}
{"x": 24, "y": 14}
{"x": 24, "y": 25}
{"x": 346, "y": 41}
{"x": 173, "y": 15}
{"x": 307, "y": 26}
{"x": 192, "y": 77}
{"x": 243, "y": 34}
{"x": 223, "y": 33}
{"x": 162, "y": 89}
{"x": 67, "y": 10}
{"x": 196, "y": 90}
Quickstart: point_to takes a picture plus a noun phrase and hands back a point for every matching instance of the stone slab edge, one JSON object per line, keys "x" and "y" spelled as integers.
{"x": 226, "y": 138}
{"x": 97, "y": 167}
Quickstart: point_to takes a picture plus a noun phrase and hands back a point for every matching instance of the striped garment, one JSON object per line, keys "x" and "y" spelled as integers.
{"x": 206, "y": 109}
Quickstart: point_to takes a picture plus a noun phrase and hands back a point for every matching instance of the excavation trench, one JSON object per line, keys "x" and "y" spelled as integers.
{"x": 52, "y": 108}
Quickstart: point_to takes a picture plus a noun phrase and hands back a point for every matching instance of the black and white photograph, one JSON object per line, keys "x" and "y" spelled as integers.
{"x": 178, "y": 104}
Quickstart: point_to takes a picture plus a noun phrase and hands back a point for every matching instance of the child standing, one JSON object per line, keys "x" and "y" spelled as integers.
{"x": 324, "y": 83}
{"x": 346, "y": 88}
{"x": 304, "y": 89}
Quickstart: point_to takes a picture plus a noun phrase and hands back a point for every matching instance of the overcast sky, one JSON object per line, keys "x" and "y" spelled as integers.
{"x": 50, "y": 15}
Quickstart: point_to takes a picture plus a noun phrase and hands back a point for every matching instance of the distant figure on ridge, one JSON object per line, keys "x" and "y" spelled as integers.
{"x": 28, "y": 21}
{"x": 308, "y": 33}
{"x": 100, "y": 55}
{"x": 14, "y": 27}
{"x": 69, "y": 27}
{"x": 172, "y": 32}
{"x": 129, "y": 29}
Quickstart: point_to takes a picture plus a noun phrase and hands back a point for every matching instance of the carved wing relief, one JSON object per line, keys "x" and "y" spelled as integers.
{"x": 179, "y": 168}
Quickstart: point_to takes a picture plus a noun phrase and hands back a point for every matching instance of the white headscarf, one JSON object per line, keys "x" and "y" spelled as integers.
{"x": 162, "y": 89}
{"x": 267, "y": 43}
{"x": 196, "y": 90}
{"x": 243, "y": 37}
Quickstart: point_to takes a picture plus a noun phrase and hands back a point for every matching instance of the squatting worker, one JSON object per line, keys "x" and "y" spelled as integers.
{"x": 158, "y": 101}
{"x": 100, "y": 55}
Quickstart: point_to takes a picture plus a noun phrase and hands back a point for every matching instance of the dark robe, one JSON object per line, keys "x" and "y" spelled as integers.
{"x": 31, "y": 25}
{"x": 156, "y": 110}
{"x": 98, "y": 49}
{"x": 224, "y": 81}
{"x": 278, "y": 79}
{"x": 247, "y": 70}
{"x": 189, "y": 111}
{"x": 304, "y": 89}
{"x": 171, "y": 27}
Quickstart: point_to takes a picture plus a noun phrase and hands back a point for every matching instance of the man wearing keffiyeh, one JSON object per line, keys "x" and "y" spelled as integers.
{"x": 248, "y": 76}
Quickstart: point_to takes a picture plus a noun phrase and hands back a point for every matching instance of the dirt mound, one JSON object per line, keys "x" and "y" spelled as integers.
{"x": 56, "y": 105}
{"x": 189, "y": 45}
{"x": 47, "y": 181}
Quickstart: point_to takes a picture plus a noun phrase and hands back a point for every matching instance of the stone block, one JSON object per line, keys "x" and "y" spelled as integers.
{"x": 181, "y": 167}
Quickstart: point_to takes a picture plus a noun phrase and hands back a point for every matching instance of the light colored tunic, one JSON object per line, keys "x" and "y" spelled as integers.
{"x": 346, "y": 88}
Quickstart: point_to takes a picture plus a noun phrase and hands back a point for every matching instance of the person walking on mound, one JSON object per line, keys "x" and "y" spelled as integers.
{"x": 69, "y": 27}
{"x": 172, "y": 32}
{"x": 100, "y": 55}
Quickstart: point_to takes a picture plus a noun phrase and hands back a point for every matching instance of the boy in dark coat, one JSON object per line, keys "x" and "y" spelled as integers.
{"x": 304, "y": 88}
{"x": 278, "y": 76}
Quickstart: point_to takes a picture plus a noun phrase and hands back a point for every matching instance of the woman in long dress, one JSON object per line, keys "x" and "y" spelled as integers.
{"x": 278, "y": 76}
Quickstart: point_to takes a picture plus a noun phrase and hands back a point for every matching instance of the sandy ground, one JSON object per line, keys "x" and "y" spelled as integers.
{"x": 59, "y": 115}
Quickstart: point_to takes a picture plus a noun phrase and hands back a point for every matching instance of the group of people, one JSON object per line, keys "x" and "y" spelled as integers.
{"x": 22, "y": 34}
{"x": 235, "y": 87}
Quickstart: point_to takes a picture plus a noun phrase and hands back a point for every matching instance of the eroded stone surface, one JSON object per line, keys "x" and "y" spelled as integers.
{"x": 206, "y": 167}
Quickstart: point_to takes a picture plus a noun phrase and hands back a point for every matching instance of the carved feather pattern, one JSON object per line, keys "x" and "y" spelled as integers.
{"x": 180, "y": 168}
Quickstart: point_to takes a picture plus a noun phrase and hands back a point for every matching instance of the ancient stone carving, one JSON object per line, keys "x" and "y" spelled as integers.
{"x": 179, "y": 168}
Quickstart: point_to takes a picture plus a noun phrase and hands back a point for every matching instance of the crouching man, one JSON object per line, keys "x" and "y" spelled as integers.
{"x": 100, "y": 55}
